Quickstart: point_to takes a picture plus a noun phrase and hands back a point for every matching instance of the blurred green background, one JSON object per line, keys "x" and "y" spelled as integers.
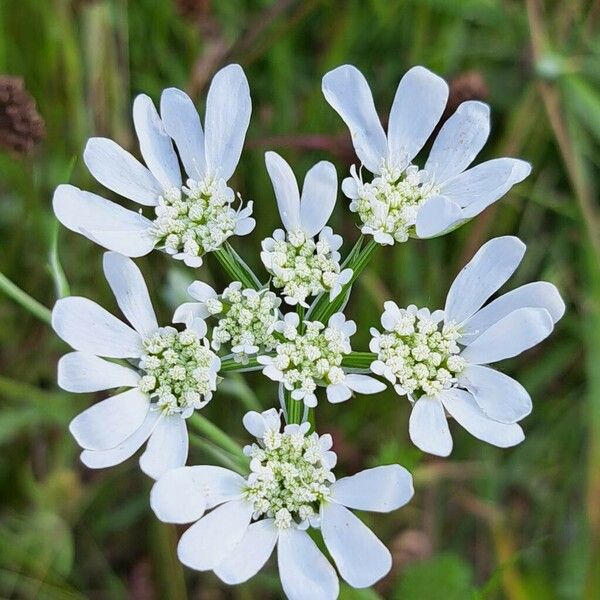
{"x": 485, "y": 523}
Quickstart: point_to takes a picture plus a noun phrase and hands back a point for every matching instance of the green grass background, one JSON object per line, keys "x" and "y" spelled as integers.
{"x": 485, "y": 523}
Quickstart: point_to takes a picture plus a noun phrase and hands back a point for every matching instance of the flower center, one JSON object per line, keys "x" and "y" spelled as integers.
{"x": 389, "y": 204}
{"x": 300, "y": 266}
{"x": 196, "y": 219}
{"x": 311, "y": 358}
{"x": 180, "y": 370}
{"x": 290, "y": 476}
{"x": 420, "y": 352}
{"x": 247, "y": 320}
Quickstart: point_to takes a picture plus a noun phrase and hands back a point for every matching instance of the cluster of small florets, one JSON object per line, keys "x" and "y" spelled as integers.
{"x": 311, "y": 357}
{"x": 196, "y": 219}
{"x": 246, "y": 320}
{"x": 301, "y": 267}
{"x": 389, "y": 204}
{"x": 180, "y": 370}
{"x": 419, "y": 352}
{"x": 291, "y": 475}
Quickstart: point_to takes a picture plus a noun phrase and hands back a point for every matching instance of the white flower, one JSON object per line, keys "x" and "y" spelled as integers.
{"x": 438, "y": 359}
{"x": 290, "y": 488}
{"x": 301, "y": 266}
{"x": 189, "y": 220}
{"x": 175, "y": 373}
{"x": 403, "y": 198}
{"x": 310, "y": 355}
{"x": 245, "y": 317}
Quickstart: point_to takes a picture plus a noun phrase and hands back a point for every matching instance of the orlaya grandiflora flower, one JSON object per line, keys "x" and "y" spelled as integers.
{"x": 245, "y": 317}
{"x": 171, "y": 373}
{"x": 189, "y": 220}
{"x": 310, "y": 354}
{"x": 302, "y": 266}
{"x": 438, "y": 359}
{"x": 402, "y": 199}
{"x": 290, "y": 488}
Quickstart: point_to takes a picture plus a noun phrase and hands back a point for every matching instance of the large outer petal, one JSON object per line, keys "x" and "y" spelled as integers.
{"x": 319, "y": 193}
{"x": 110, "y": 422}
{"x": 182, "y": 123}
{"x": 120, "y": 172}
{"x": 436, "y": 216}
{"x": 428, "y": 427}
{"x": 167, "y": 447}
{"x": 462, "y": 406}
{"x": 346, "y": 89}
{"x": 459, "y": 141}
{"x": 418, "y": 106}
{"x": 251, "y": 553}
{"x": 228, "y": 108}
{"x": 360, "y": 556}
{"x": 381, "y": 489}
{"x": 131, "y": 293}
{"x": 511, "y": 335}
{"x": 304, "y": 572}
{"x": 155, "y": 145}
{"x": 88, "y": 327}
{"x": 286, "y": 190}
{"x": 182, "y": 495}
{"x": 207, "y": 543}
{"x": 102, "y": 221}
{"x": 489, "y": 269}
{"x": 84, "y": 372}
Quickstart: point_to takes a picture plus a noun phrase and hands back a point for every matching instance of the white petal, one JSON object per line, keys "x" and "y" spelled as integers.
{"x": 167, "y": 447}
{"x": 499, "y": 396}
{"x": 428, "y": 427}
{"x": 462, "y": 406}
{"x": 319, "y": 193}
{"x": 338, "y": 393}
{"x": 102, "y": 221}
{"x": 182, "y": 123}
{"x": 251, "y": 553}
{"x": 110, "y": 422}
{"x": 83, "y": 372}
{"x": 418, "y": 106}
{"x": 478, "y": 187}
{"x": 131, "y": 293}
{"x": 381, "y": 489}
{"x": 207, "y": 543}
{"x": 245, "y": 226}
{"x": 189, "y": 311}
{"x": 459, "y": 141}
{"x": 228, "y": 108}
{"x": 348, "y": 92}
{"x": 286, "y": 190}
{"x": 363, "y": 384}
{"x": 258, "y": 423}
{"x": 100, "y": 459}
{"x": 489, "y": 269}
{"x": 88, "y": 327}
{"x": 304, "y": 572}
{"x": 360, "y": 556}
{"x": 511, "y": 335}
{"x": 120, "y": 172}
{"x": 437, "y": 216}
{"x": 155, "y": 145}
{"x": 350, "y": 188}
{"x": 182, "y": 495}
{"x": 539, "y": 294}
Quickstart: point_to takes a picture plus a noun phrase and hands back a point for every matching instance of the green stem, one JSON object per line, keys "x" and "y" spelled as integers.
{"x": 236, "y": 268}
{"x": 295, "y": 408}
{"x": 25, "y": 300}
{"x": 216, "y": 435}
{"x": 230, "y": 365}
{"x": 358, "y": 360}
{"x": 219, "y": 454}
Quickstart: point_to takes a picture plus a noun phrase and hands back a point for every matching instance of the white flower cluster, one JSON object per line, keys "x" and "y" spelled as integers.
{"x": 419, "y": 354}
{"x": 197, "y": 221}
{"x": 246, "y": 320}
{"x": 290, "y": 475}
{"x": 180, "y": 370}
{"x": 389, "y": 204}
{"x": 309, "y": 354}
{"x": 302, "y": 267}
